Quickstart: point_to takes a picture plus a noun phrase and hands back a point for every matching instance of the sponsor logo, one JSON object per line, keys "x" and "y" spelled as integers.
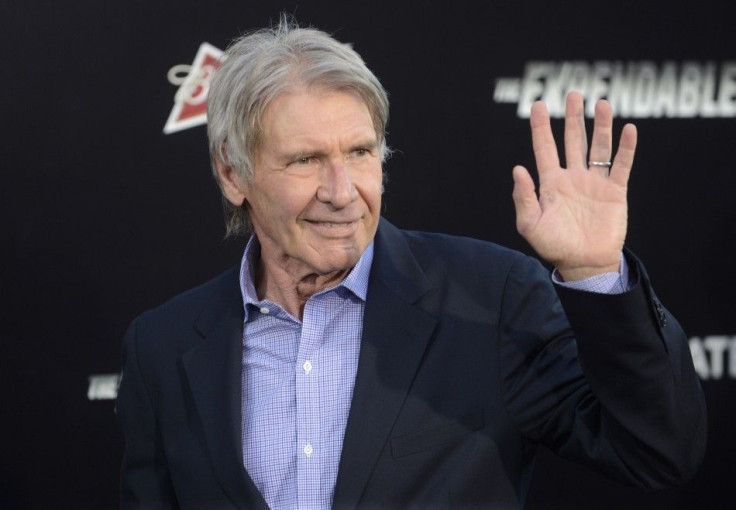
{"x": 714, "y": 356}
{"x": 103, "y": 387}
{"x": 636, "y": 89}
{"x": 190, "y": 101}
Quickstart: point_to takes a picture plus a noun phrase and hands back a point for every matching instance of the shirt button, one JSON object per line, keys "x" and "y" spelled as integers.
{"x": 307, "y": 366}
{"x": 265, "y": 310}
{"x": 308, "y": 450}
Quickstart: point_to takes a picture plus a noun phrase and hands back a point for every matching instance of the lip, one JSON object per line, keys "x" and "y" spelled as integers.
{"x": 333, "y": 228}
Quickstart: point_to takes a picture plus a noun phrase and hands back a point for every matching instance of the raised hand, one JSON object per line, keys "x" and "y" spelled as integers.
{"x": 578, "y": 221}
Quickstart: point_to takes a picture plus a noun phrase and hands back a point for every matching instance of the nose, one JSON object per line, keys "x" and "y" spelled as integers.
{"x": 336, "y": 186}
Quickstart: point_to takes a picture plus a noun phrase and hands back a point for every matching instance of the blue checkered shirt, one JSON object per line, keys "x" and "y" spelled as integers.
{"x": 298, "y": 379}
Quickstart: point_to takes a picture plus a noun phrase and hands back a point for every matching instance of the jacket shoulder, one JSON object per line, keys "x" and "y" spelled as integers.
{"x": 464, "y": 254}
{"x": 182, "y": 311}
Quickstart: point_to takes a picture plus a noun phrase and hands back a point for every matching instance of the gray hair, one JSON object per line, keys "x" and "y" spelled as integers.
{"x": 260, "y": 66}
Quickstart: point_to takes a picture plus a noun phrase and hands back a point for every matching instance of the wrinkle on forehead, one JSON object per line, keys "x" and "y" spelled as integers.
{"x": 293, "y": 133}
{"x": 299, "y": 86}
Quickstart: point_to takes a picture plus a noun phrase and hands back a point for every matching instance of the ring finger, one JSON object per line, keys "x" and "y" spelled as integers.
{"x": 601, "y": 141}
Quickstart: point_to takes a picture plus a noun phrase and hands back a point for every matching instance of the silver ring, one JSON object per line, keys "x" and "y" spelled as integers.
{"x": 599, "y": 163}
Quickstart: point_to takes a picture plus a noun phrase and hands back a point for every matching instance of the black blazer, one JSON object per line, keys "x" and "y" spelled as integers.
{"x": 467, "y": 363}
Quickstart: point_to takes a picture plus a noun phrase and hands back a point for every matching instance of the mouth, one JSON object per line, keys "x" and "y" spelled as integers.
{"x": 332, "y": 224}
{"x": 334, "y": 228}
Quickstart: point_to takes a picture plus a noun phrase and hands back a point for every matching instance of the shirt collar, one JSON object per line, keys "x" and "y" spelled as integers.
{"x": 356, "y": 281}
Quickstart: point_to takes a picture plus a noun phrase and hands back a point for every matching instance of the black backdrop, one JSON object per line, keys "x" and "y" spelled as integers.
{"x": 104, "y": 216}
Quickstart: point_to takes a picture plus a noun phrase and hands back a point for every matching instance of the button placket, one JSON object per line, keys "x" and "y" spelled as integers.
{"x": 308, "y": 398}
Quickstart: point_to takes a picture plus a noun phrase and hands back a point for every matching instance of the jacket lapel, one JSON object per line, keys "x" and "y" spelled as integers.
{"x": 395, "y": 336}
{"x": 213, "y": 372}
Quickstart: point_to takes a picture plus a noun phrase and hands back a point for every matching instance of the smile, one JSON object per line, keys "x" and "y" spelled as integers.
{"x": 334, "y": 228}
{"x": 332, "y": 224}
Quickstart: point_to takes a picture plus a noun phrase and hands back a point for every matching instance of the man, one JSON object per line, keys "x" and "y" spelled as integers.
{"x": 349, "y": 364}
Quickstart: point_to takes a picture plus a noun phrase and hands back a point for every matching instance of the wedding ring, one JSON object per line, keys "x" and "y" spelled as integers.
{"x": 599, "y": 163}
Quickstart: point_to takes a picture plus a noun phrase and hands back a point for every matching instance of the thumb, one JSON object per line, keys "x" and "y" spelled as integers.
{"x": 525, "y": 200}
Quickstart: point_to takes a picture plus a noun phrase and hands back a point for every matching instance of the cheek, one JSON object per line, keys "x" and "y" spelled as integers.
{"x": 275, "y": 201}
{"x": 286, "y": 208}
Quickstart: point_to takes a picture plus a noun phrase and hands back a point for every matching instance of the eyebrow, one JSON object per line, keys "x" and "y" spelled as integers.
{"x": 366, "y": 143}
{"x": 297, "y": 154}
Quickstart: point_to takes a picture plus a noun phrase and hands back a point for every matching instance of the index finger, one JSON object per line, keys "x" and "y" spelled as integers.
{"x": 543, "y": 142}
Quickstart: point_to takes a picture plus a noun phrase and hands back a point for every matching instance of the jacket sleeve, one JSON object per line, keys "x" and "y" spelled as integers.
{"x": 144, "y": 478}
{"x": 605, "y": 380}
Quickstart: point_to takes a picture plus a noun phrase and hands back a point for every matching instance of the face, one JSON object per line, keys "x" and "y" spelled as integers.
{"x": 315, "y": 195}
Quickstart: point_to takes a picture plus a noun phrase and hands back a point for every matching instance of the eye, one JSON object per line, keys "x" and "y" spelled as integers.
{"x": 360, "y": 152}
{"x": 303, "y": 160}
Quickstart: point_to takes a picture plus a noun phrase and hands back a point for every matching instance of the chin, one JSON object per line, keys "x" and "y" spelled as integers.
{"x": 337, "y": 262}
{"x": 336, "y": 266}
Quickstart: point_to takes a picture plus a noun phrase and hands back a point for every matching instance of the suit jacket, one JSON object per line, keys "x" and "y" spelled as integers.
{"x": 467, "y": 363}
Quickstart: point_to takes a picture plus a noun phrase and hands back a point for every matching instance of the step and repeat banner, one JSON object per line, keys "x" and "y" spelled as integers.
{"x": 109, "y": 207}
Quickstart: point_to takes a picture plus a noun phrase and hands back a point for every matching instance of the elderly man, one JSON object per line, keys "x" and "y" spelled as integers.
{"x": 349, "y": 364}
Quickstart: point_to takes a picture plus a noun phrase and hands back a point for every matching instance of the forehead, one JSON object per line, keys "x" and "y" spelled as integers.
{"x": 315, "y": 110}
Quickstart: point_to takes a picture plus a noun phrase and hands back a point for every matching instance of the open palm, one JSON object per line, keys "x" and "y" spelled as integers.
{"x": 578, "y": 221}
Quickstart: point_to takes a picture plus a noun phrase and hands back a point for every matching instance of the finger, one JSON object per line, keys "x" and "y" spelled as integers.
{"x": 576, "y": 143}
{"x": 601, "y": 141}
{"x": 543, "y": 143}
{"x": 525, "y": 200}
{"x": 624, "y": 159}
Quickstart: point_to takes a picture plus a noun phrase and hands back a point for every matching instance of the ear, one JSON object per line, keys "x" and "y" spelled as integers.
{"x": 230, "y": 183}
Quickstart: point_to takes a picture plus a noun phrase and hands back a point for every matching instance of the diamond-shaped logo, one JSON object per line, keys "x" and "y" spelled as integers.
{"x": 190, "y": 101}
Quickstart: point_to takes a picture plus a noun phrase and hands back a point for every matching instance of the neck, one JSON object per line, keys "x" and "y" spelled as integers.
{"x": 291, "y": 290}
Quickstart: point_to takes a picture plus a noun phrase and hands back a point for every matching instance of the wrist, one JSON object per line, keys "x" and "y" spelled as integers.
{"x": 571, "y": 274}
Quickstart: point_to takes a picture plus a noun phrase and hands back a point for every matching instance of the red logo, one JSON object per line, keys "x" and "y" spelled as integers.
{"x": 190, "y": 101}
